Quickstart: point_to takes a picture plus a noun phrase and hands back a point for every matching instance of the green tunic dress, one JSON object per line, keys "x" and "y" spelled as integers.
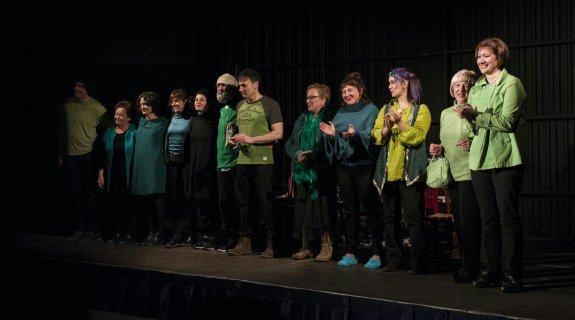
{"x": 149, "y": 169}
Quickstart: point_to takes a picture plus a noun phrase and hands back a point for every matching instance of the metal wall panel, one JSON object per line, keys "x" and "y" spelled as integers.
{"x": 293, "y": 47}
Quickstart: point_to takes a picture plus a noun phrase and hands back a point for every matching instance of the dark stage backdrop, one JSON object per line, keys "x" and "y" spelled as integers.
{"x": 128, "y": 48}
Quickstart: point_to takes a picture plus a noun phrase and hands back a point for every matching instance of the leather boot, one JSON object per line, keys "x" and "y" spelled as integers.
{"x": 304, "y": 252}
{"x": 243, "y": 247}
{"x": 269, "y": 252}
{"x": 326, "y": 250}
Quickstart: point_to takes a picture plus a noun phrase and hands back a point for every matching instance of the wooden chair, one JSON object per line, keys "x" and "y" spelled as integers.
{"x": 439, "y": 225}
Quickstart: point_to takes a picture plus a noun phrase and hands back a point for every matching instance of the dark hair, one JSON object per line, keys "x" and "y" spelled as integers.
{"x": 86, "y": 83}
{"x": 354, "y": 79}
{"x": 250, "y": 74}
{"x": 152, "y": 99}
{"x": 126, "y": 105}
{"x": 206, "y": 94}
{"x": 404, "y": 74}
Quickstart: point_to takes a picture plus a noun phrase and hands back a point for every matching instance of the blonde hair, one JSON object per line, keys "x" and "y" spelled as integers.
{"x": 462, "y": 75}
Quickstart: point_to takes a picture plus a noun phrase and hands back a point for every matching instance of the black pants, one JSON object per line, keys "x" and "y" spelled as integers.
{"x": 467, "y": 220}
{"x": 359, "y": 196}
{"x": 399, "y": 200}
{"x": 497, "y": 192}
{"x": 177, "y": 206}
{"x": 256, "y": 181}
{"x": 81, "y": 180}
{"x": 151, "y": 211}
{"x": 227, "y": 202}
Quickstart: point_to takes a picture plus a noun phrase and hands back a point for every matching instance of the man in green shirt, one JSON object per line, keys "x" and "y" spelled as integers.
{"x": 83, "y": 115}
{"x": 226, "y": 94}
{"x": 260, "y": 125}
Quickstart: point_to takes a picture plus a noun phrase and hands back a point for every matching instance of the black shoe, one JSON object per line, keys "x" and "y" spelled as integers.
{"x": 228, "y": 245}
{"x": 188, "y": 242}
{"x": 511, "y": 284}
{"x": 148, "y": 240}
{"x": 157, "y": 239}
{"x": 209, "y": 244}
{"x": 174, "y": 243}
{"x": 200, "y": 244}
{"x": 91, "y": 236}
{"x": 390, "y": 267}
{"x": 126, "y": 239}
{"x": 418, "y": 270}
{"x": 77, "y": 235}
{"x": 462, "y": 277}
{"x": 115, "y": 240}
{"x": 487, "y": 280}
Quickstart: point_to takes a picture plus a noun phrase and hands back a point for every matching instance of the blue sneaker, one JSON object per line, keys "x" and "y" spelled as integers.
{"x": 347, "y": 261}
{"x": 372, "y": 264}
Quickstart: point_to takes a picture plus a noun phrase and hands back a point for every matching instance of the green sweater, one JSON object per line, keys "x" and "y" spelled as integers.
{"x": 452, "y": 130}
{"x": 500, "y": 124}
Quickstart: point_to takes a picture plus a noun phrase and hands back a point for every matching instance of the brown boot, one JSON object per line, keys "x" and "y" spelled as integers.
{"x": 269, "y": 252}
{"x": 304, "y": 252}
{"x": 326, "y": 250}
{"x": 243, "y": 247}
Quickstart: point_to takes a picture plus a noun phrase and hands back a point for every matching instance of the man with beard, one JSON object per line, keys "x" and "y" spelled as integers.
{"x": 227, "y": 96}
{"x": 260, "y": 125}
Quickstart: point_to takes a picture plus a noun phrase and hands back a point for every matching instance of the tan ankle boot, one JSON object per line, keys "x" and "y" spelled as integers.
{"x": 302, "y": 254}
{"x": 326, "y": 250}
{"x": 269, "y": 252}
{"x": 243, "y": 247}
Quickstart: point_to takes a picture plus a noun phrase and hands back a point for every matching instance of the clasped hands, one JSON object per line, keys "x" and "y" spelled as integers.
{"x": 466, "y": 112}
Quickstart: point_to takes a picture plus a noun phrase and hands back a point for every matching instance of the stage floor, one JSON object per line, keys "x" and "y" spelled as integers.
{"x": 549, "y": 276}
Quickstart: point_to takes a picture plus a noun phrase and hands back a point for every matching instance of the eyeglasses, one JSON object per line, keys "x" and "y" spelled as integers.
{"x": 310, "y": 97}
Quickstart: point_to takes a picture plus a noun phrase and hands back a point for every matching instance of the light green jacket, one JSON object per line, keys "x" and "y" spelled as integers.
{"x": 500, "y": 124}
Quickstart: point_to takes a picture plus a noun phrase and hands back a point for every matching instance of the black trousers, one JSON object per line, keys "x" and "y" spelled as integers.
{"x": 497, "y": 192}
{"x": 399, "y": 200}
{"x": 227, "y": 202}
{"x": 81, "y": 181}
{"x": 177, "y": 206}
{"x": 359, "y": 196}
{"x": 255, "y": 181}
{"x": 467, "y": 220}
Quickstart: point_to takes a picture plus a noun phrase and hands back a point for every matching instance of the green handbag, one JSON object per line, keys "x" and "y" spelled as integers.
{"x": 438, "y": 174}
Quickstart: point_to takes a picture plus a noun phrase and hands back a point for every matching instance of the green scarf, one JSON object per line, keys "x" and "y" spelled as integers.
{"x": 303, "y": 172}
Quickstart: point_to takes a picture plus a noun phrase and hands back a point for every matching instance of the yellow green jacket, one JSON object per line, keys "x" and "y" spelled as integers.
{"x": 500, "y": 124}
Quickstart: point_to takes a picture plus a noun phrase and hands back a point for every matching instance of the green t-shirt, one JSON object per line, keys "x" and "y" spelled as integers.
{"x": 82, "y": 118}
{"x": 255, "y": 119}
{"x": 227, "y": 155}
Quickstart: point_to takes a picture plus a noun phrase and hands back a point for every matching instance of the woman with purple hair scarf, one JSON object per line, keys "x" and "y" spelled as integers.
{"x": 401, "y": 128}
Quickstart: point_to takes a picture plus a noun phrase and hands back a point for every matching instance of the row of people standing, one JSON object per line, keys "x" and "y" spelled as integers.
{"x": 159, "y": 160}
{"x": 386, "y": 148}
{"x": 487, "y": 173}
